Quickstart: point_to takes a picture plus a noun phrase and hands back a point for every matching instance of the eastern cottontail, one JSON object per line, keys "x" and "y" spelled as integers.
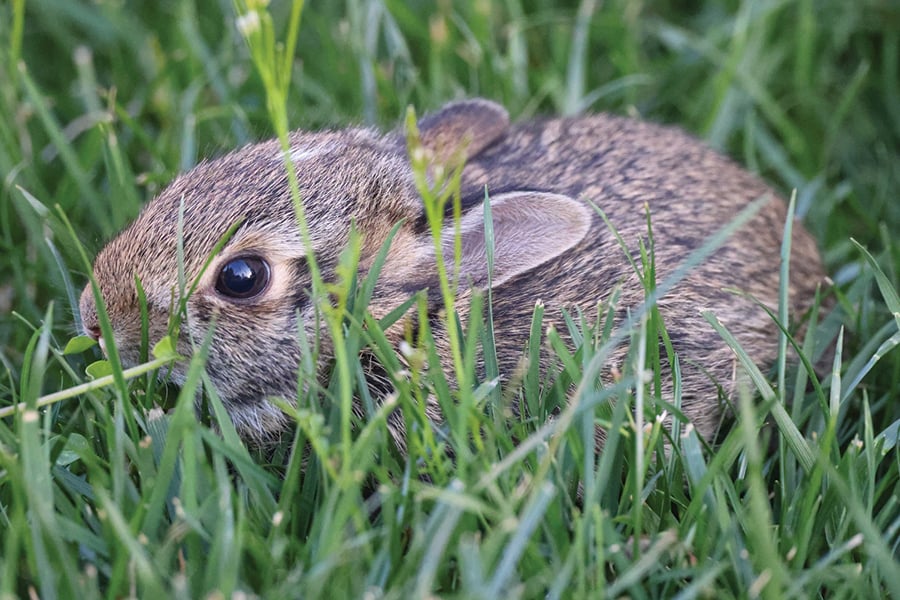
{"x": 550, "y": 244}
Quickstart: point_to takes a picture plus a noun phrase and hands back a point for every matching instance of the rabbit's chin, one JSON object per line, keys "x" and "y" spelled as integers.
{"x": 259, "y": 423}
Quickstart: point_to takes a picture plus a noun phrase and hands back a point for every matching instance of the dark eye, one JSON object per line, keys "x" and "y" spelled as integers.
{"x": 243, "y": 277}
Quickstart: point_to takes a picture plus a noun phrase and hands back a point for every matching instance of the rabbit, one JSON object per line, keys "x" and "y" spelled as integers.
{"x": 545, "y": 179}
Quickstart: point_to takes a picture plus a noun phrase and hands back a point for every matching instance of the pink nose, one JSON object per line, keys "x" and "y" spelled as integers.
{"x": 92, "y": 330}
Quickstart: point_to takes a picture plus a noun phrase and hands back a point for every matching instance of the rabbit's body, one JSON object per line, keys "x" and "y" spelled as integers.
{"x": 550, "y": 245}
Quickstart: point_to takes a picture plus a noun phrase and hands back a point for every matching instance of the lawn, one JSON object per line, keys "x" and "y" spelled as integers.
{"x": 120, "y": 488}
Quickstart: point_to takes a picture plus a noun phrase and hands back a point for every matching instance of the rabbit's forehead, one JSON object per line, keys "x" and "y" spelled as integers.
{"x": 341, "y": 175}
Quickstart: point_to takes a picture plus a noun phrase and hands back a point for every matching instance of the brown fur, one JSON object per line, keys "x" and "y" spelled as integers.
{"x": 551, "y": 245}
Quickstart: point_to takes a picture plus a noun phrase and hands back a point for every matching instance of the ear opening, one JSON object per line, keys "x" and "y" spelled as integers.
{"x": 530, "y": 229}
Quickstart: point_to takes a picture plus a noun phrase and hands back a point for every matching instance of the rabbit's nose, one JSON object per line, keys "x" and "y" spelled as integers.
{"x": 90, "y": 325}
{"x": 92, "y": 330}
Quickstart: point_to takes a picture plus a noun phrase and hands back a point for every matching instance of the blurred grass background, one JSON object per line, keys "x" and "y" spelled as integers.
{"x": 103, "y": 102}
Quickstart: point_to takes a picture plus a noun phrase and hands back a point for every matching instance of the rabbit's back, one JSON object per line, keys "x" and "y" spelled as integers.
{"x": 630, "y": 169}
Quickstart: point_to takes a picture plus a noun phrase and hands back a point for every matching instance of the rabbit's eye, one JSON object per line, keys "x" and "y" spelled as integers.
{"x": 243, "y": 277}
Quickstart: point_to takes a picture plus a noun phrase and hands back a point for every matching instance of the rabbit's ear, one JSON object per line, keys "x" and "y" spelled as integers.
{"x": 530, "y": 228}
{"x": 461, "y": 130}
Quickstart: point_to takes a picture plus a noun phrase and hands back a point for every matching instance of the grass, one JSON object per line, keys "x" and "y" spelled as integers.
{"x": 104, "y": 495}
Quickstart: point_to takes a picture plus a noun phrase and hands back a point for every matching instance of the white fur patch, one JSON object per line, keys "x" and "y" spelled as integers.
{"x": 308, "y": 153}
